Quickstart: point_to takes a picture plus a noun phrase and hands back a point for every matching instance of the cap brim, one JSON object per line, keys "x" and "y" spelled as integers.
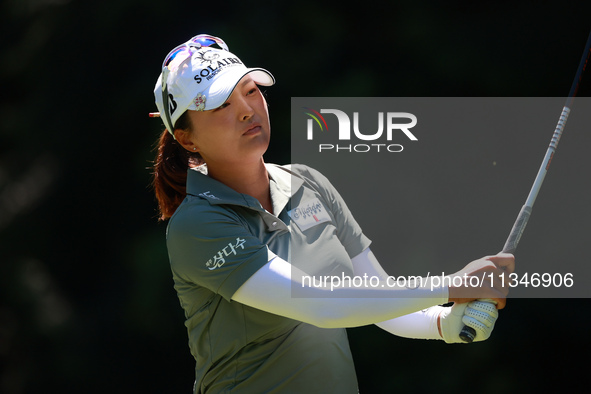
{"x": 219, "y": 91}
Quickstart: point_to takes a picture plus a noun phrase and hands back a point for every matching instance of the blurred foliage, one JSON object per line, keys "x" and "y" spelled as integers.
{"x": 87, "y": 303}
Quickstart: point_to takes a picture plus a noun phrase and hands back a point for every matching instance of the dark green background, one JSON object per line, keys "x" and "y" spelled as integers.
{"x": 87, "y": 303}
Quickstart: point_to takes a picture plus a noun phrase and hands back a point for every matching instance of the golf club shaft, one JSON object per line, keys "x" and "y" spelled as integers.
{"x": 468, "y": 334}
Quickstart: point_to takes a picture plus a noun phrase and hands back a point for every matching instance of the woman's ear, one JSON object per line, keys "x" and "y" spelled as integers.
{"x": 183, "y": 137}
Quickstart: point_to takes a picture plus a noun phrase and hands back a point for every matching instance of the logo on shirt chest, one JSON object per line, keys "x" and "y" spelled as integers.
{"x": 309, "y": 214}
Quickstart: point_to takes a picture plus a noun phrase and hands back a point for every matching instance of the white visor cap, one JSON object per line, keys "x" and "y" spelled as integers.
{"x": 201, "y": 81}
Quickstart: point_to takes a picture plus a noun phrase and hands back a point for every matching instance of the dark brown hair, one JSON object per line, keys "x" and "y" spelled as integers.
{"x": 170, "y": 169}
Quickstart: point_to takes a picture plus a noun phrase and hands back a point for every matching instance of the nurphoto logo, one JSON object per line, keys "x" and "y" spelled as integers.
{"x": 389, "y": 124}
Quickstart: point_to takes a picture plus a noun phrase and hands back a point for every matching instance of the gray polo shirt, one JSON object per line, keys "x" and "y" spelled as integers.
{"x": 217, "y": 239}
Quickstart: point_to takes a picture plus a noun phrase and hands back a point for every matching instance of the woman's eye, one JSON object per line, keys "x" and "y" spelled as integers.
{"x": 252, "y": 91}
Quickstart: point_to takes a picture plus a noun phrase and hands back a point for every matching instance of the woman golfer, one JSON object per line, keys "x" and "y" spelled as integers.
{"x": 243, "y": 233}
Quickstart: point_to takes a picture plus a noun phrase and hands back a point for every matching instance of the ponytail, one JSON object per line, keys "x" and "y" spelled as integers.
{"x": 170, "y": 170}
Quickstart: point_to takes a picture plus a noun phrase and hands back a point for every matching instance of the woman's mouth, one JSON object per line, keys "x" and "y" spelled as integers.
{"x": 253, "y": 129}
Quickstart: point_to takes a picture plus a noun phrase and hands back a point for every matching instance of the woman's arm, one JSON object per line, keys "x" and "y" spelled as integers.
{"x": 270, "y": 289}
{"x": 418, "y": 325}
{"x": 427, "y": 323}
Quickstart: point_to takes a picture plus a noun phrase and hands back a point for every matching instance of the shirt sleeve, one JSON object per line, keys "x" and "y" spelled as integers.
{"x": 349, "y": 232}
{"x": 212, "y": 247}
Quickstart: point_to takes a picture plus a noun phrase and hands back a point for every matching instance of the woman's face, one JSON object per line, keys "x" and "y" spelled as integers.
{"x": 237, "y": 132}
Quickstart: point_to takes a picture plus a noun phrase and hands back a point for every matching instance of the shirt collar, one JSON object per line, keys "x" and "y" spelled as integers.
{"x": 282, "y": 183}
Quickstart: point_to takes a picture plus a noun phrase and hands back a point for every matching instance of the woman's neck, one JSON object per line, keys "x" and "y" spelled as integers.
{"x": 250, "y": 179}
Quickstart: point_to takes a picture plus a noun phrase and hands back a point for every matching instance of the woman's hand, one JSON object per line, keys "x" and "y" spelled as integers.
{"x": 483, "y": 278}
{"x": 480, "y": 315}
